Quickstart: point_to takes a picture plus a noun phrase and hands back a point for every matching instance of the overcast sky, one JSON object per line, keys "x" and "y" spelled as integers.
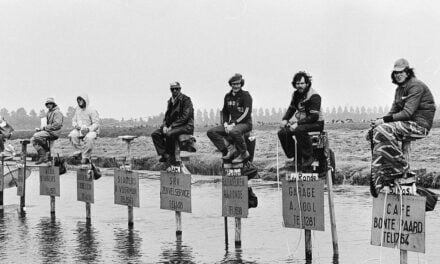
{"x": 124, "y": 53}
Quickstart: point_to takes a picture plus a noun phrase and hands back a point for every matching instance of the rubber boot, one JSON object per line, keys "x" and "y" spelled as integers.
{"x": 42, "y": 156}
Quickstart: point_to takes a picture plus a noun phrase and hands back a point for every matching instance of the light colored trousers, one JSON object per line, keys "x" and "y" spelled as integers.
{"x": 87, "y": 145}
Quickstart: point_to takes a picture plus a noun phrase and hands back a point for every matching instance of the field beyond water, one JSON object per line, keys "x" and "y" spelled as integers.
{"x": 352, "y": 153}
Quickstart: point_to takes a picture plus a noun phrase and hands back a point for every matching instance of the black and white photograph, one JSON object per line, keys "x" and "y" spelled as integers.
{"x": 219, "y": 131}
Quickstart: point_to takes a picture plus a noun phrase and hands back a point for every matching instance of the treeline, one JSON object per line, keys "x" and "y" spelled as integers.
{"x": 20, "y": 119}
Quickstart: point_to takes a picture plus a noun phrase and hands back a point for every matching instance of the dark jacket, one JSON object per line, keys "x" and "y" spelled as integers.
{"x": 237, "y": 108}
{"x": 306, "y": 107}
{"x": 180, "y": 113}
{"x": 413, "y": 101}
{"x": 54, "y": 122}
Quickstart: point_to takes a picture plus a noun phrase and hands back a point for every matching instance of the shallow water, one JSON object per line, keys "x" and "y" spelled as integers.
{"x": 36, "y": 238}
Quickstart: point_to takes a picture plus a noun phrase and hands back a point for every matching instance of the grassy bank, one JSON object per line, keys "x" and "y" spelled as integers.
{"x": 351, "y": 150}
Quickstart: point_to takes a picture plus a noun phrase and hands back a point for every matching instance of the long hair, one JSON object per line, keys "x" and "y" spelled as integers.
{"x": 408, "y": 71}
{"x": 302, "y": 74}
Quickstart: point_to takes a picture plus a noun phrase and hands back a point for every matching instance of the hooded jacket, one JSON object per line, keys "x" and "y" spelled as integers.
{"x": 180, "y": 113}
{"x": 54, "y": 121}
{"x": 306, "y": 107}
{"x": 87, "y": 116}
{"x": 413, "y": 101}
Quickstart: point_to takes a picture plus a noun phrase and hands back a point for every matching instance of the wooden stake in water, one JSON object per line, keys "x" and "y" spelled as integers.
{"x": 226, "y": 232}
{"x": 308, "y": 243}
{"x": 238, "y": 232}
{"x": 127, "y": 140}
{"x": 332, "y": 214}
{"x": 179, "y": 225}
{"x": 406, "y": 147}
{"x": 24, "y": 144}
{"x": 2, "y": 183}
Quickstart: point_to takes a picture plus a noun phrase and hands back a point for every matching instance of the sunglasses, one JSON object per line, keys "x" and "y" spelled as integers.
{"x": 174, "y": 89}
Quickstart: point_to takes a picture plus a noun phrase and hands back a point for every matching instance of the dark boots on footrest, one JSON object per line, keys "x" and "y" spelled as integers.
{"x": 42, "y": 156}
{"x": 252, "y": 199}
{"x": 241, "y": 158}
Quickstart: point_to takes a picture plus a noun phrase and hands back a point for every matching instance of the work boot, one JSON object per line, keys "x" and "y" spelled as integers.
{"x": 76, "y": 155}
{"x": 164, "y": 158}
{"x": 229, "y": 155}
{"x": 42, "y": 157}
{"x": 241, "y": 158}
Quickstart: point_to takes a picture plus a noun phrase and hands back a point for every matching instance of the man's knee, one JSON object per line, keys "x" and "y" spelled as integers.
{"x": 156, "y": 133}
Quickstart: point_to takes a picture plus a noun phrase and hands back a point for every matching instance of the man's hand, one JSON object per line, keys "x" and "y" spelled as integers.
{"x": 38, "y": 129}
{"x": 283, "y": 123}
{"x": 165, "y": 129}
{"x": 293, "y": 126}
{"x": 377, "y": 122}
{"x": 228, "y": 128}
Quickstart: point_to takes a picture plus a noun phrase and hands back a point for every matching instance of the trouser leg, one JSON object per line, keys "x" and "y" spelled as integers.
{"x": 171, "y": 137}
{"x": 237, "y": 135}
{"x": 2, "y": 142}
{"x": 74, "y": 139}
{"x": 287, "y": 142}
{"x": 216, "y": 135}
{"x": 159, "y": 141}
{"x": 89, "y": 144}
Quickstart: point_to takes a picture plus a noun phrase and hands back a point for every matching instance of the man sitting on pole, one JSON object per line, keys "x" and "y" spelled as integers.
{"x": 49, "y": 131}
{"x": 179, "y": 119}
{"x": 86, "y": 127}
{"x": 411, "y": 115}
{"x": 306, "y": 106}
{"x": 237, "y": 121}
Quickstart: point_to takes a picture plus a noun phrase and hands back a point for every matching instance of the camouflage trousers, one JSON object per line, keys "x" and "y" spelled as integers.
{"x": 388, "y": 157}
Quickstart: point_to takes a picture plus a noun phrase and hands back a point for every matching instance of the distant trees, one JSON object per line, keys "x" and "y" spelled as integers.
{"x": 20, "y": 119}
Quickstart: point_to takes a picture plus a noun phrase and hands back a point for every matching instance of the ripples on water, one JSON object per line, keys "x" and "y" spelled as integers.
{"x": 37, "y": 238}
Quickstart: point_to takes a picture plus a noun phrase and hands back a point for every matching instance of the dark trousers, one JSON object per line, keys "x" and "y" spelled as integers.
{"x": 304, "y": 143}
{"x": 166, "y": 143}
{"x": 218, "y": 133}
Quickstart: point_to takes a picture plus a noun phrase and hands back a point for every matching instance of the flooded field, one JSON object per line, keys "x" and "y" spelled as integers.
{"x": 36, "y": 238}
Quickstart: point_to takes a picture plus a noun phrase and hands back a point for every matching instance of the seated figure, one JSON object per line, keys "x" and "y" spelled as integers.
{"x": 306, "y": 106}
{"x": 48, "y": 132}
{"x": 179, "y": 120}
{"x": 237, "y": 121}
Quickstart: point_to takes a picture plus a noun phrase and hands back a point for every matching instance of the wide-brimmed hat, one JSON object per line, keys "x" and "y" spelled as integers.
{"x": 50, "y": 100}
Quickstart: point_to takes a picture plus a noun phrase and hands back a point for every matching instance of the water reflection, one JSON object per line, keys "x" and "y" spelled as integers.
{"x": 177, "y": 253}
{"x": 234, "y": 257}
{"x": 3, "y": 238}
{"x": 128, "y": 245}
{"x": 50, "y": 236}
{"x": 88, "y": 246}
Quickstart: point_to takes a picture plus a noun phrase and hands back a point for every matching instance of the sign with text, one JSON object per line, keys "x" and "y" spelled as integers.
{"x": 2, "y": 180}
{"x": 49, "y": 181}
{"x": 404, "y": 222}
{"x": 84, "y": 186}
{"x": 175, "y": 191}
{"x": 303, "y": 176}
{"x": 303, "y": 204}
{"x": 20, "y": 181}
{"x": 126, "y": 188}
{"x": 235, "y": 196}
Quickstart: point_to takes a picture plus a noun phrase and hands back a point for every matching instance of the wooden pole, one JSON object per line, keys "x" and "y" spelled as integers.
{"x": 88, "y": 213}
{"x": 130, "y": 208}
{"x": 238, "y": 232}
{"x": 406, "y": 146}
{"x": 52, "y": 198}
{"x": 23, "y": 158}
{"x": 332, "y": 213}
{"x": 308, "y": 243}
{"x": 226, "y": 232}
{"x": 178, "y": 225}
{"x": 2, "y": 183}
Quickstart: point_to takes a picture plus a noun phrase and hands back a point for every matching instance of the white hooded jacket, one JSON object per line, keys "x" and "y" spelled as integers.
{"x": 86, "y": 117}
